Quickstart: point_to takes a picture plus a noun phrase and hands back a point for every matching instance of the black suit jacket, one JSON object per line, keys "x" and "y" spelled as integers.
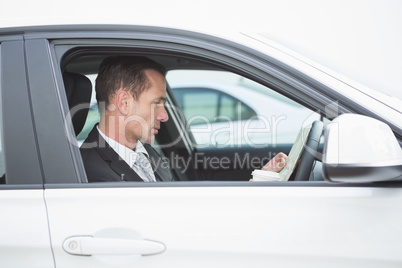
{"x": 102, "y": 163}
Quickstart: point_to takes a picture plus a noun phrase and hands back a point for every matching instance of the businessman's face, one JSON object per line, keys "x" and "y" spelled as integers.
{"x": 148, "y": 111}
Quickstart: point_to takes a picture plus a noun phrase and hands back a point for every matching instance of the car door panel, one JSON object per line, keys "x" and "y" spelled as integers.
{"x": 231, "y": 226}
{"x": 18, "y": 131}
{"x": 24, "y": 236}
{"x": 52, "y": 124}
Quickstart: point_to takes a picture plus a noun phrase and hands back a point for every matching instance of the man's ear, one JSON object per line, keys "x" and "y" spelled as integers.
{"x": 122, "y": 101}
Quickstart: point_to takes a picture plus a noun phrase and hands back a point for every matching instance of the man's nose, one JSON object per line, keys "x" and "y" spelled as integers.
{"x": 162, "y": 114}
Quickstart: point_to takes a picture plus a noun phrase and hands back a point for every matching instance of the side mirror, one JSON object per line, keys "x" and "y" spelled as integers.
{"x": 361, "y": 149}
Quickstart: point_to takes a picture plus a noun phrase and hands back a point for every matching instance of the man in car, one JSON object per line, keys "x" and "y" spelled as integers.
{"x": 131, "y": 93}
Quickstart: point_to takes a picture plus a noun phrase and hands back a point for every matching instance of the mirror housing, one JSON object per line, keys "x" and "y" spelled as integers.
{"x": 358, "y": 148}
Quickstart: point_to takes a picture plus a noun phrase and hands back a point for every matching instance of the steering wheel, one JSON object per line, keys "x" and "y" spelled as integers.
{"x": 308, "y": 155}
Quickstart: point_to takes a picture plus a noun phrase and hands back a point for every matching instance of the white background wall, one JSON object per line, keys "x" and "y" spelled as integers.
{"x": 359, "y": 38}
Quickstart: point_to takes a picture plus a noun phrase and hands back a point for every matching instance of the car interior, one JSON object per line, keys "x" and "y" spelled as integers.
{"x": 175, "y": 141}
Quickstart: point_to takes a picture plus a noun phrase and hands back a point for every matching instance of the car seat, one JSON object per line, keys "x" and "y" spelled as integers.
{"x": 79, "y": 91}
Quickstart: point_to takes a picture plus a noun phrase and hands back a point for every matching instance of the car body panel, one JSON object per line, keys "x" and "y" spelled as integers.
{"x": 18, "y": 131}
{"x": 24, "y": 236}
{"x": 234, "y": 226}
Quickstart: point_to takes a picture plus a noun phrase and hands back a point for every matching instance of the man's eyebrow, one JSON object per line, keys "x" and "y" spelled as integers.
{"x": 164, "y": 99}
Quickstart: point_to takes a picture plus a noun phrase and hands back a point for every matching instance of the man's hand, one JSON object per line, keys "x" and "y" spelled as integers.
{"x": 277, "y": 163}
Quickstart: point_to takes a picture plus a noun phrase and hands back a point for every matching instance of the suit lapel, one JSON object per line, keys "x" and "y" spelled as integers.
{"x": 159, "y": 166}
{"x": 118, "y": 165}
{"x": 122, "y": 169}
{"x": 109, "y": 155}
{"x": 126, "y": 173}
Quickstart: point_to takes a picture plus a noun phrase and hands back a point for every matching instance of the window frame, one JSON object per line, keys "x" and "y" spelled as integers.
{"x": 259, "y": 67}
{"x": 105, "y": 46}
{"x": 21, "y": 154}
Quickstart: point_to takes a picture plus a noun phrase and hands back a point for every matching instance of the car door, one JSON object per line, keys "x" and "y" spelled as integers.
{"x": 182, "y": 225}
{"x": 24, "y": 235}
{"x": 193, "y": 223}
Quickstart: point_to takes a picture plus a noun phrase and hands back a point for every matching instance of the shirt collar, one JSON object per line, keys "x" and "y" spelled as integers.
{"x": 125, "y": 153}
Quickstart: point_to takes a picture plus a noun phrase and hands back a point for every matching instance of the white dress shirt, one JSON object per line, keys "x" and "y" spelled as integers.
{"x": 131, "y": 156}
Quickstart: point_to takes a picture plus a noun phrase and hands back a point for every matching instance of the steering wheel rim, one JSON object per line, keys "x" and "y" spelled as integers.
{"x": 308, "y": 155}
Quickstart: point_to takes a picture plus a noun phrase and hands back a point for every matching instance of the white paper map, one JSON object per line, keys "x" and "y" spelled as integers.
{"x": 295, "y": 153}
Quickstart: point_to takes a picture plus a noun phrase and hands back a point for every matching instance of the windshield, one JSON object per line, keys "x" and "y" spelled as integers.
{"x": 359, "y": 40}
{"x": 378, "y": 80}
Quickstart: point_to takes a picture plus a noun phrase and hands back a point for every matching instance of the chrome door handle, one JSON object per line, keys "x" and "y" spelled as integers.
{"x": 88, "y": 245}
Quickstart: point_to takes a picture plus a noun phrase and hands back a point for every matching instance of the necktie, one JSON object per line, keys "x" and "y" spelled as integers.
{"x": 143, "y": 168}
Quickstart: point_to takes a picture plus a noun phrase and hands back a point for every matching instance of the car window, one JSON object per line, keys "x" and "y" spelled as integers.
{"x": 192, "y": 102}
{"x": 201, "y": 105}
{"x": 226, "y": 109}
{"x": 221, "y": 125}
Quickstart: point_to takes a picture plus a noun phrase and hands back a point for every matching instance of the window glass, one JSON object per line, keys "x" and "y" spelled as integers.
{"x": 198, "y": 106}
{"x": 227, "y": 107}
{"x": 245, "y": 112}
{"x": 236, "y": 108}
{"x": 203, "y": 105}
{"x": 222, "y": 110}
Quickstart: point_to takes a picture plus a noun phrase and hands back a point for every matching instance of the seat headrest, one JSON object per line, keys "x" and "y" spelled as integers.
{"x": 79, "y": 91}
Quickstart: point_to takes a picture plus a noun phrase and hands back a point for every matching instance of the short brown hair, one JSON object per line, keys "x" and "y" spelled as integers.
{"x": 126, "y": 72}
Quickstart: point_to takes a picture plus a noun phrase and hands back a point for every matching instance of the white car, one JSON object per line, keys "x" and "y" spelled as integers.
{"x": 225, "y": 109}
{"x": 339, "y": 204}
